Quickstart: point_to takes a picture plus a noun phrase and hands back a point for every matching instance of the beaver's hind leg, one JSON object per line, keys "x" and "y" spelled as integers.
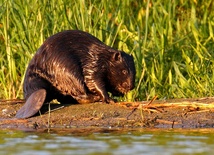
{"x": 33, "y": 104}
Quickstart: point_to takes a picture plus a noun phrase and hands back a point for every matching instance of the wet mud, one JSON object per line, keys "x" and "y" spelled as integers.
{"x": 180, "y": 113}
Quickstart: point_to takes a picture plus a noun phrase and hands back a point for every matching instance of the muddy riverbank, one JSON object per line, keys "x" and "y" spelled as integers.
{"x": 180, "y": 113}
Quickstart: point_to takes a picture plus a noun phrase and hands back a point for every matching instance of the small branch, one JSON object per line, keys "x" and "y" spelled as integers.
{"x": 140, "y": 104}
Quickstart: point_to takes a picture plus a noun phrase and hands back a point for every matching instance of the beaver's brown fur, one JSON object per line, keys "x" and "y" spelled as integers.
{"x": 74, "y": 65}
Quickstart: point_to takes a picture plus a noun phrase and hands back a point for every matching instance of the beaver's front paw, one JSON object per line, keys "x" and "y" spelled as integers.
{"x": 109, "y": 100}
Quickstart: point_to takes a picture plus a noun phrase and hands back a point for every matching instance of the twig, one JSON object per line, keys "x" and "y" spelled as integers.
{"x": 167, "y": 122}
{"x": 150, "y": 102}
{"x": 127, "y": 117}
{"x": 154, "y": 98}
{"x": 49, "y": 115}
{"x": 54, "y": 109}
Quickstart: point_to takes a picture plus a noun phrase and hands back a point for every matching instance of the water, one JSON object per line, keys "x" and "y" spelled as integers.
{"x": 150, "y": 142}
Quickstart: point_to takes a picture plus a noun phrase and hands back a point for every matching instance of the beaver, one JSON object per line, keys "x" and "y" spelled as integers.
{"x": 74, "y": 65}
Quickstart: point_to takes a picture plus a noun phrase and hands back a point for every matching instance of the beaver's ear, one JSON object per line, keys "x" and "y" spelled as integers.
{"x": 117, "y": 56}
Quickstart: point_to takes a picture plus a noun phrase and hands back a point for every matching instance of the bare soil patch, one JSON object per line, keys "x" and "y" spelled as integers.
{"x": 178, "y": 113}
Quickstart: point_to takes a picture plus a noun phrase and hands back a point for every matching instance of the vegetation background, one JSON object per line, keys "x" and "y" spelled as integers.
{"x": 172, "y": 41}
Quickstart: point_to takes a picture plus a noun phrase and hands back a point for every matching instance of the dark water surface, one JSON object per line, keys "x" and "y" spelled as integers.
{"x": 150, "y": 142}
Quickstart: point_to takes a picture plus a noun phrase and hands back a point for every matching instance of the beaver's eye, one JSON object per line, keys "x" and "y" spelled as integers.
{"x": 124, "y": 72}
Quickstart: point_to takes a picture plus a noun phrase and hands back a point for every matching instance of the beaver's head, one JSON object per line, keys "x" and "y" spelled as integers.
{"x": 121, "y": 73}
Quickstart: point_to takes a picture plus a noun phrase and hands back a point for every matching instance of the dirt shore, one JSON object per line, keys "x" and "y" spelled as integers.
{"x": 180, "y": 113}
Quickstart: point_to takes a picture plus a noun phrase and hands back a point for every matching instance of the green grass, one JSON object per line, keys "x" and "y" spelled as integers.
{"x": 172, "y": 41}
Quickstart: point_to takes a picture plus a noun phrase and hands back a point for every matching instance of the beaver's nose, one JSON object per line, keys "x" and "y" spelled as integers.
{"x": 126, "y": 86}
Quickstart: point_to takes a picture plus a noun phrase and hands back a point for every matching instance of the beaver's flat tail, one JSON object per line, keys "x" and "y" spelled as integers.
{"x": 33, "y": 104}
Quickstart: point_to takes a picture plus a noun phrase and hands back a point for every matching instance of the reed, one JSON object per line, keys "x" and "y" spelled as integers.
{"x": 171, "y": 41}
